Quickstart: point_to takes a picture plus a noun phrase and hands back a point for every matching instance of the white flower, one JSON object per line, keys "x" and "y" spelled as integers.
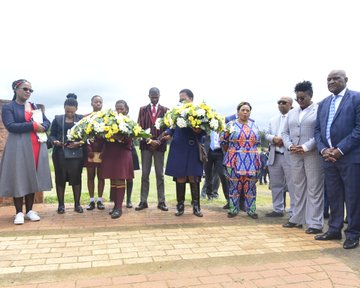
{"x": 99, "y": 127}
{"x": 214, "y": 124}
{"x": 158, "y": 123}
{"x": 200, "y": 112}
{"x": 184, "y": 113}
{"x": 232, "y": 128}
{"x": 123, "y": 127}
{"x": 180, "y": 122}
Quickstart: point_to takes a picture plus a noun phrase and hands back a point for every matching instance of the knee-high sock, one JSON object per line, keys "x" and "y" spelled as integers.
{"x": 18, "y": 203}
{"x": 119, "y": 195}
{"x": 29, "y": 201}
{"x": 129, "y": 188}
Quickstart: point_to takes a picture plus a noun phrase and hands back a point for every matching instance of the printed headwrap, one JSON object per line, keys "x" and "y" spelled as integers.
{"x": 17, "y": 83}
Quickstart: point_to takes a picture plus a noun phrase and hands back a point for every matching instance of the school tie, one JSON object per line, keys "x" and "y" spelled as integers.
{"x": 153, "y": 112}
{"x": 332, "y": 112}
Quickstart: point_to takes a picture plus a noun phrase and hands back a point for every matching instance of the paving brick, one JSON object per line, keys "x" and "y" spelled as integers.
{"x": 10, "y": 270}
{"x": 300, "y": 270}
{"x": 181, "y": 282}
{"x": 62, "y": 284}
{"x": 138, "y": 260}
{"x": 215, "y": 279}
{"x": 93, "y": 282}
{"x": 129, "y": 279}
{"x": 38, "y": 268}
{"x": 269, "y": 282}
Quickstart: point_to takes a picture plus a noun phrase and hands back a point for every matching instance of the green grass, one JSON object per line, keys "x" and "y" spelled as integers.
{"x": 263, "y": 193}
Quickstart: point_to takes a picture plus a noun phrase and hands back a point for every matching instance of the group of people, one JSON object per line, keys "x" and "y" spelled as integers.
{"x": 313, "y": 147}
{"x": 314, "y": 155}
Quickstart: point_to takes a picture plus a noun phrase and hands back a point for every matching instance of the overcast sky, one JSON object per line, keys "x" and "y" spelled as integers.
{"x": 224, "y": 51}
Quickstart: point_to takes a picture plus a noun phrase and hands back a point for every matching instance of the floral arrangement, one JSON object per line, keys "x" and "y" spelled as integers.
{"x": 108, "y": 125}
{"x": 194, "y": 116}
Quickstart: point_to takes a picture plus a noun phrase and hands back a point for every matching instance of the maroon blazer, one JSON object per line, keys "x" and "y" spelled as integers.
{"x": 146, "y": 122}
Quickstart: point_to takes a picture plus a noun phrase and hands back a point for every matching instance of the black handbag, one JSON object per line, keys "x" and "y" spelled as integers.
{"x": 71, "y": 153}
{"x": 202, "y": 152}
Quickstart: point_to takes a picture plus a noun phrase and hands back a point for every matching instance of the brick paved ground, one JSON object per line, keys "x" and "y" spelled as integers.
{"x": 152, "y": 248}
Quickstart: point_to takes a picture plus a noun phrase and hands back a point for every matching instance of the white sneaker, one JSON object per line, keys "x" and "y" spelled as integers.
{"x": 32, "y": 216}
{"x": 19, "y": 218}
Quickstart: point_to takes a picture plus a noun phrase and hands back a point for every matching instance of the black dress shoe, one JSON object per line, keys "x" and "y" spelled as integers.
{"x": 100, "y": 205}
{"x": 253, "y": 215}
{"x": 227, "y": 206}
{"x": 313, "y": 231}
{"x": 129, "y": 205}
{"x": 116, "y": 213}
{"x": 78, "y": 209}
{"x": 91, "y": 206}
{"x": 291, "y": 225}
{"x": 231, "y": 215}
{"x": 162, "y": 206}
{"x": 351, "y": 243}
{"x": 328, "y": 236}
{"x": 61, "y": 210}
{"x": 274, "y": 214}
{"x": 179, "y": 212}
{"x": 142, "y": 205}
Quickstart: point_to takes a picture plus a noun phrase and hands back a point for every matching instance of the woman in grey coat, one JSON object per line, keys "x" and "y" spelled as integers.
{"x": 24, "y": 167}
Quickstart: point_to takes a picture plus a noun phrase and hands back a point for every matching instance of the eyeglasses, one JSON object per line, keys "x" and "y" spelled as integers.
{"x": 300, "y": 99}
{"x": 282, "y": 102}
{"x": 27, "y": 89}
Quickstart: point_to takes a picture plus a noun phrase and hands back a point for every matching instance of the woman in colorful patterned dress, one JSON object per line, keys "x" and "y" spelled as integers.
{"x": 240, "y": 142}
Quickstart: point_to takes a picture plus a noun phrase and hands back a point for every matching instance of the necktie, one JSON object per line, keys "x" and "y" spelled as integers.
{"x": 153, "y": 112}
{"x": 332, "y": 112}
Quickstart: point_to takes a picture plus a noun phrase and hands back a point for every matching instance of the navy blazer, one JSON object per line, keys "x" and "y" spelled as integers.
{"x": 345, "y": 128}
{"x": 13, "y": 117}
{"x": 57, "y": 129}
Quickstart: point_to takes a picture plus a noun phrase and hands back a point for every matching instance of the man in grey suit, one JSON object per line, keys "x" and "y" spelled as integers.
{"x": 279, "y": 166}
{"x": 306, "y": 164}
{"x": 337, "y": 135}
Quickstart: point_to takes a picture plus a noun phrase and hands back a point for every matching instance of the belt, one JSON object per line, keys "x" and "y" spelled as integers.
{"x": 216, "y": 150}
{"x": 277, "y": 152}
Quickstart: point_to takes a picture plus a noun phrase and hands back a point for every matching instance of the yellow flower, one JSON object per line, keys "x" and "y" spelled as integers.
{"x": 137, "y": 129}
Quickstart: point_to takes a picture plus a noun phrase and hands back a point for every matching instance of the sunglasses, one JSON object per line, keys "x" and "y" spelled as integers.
{"x": 282, "y": 102}
{"x": 27, "y": 90}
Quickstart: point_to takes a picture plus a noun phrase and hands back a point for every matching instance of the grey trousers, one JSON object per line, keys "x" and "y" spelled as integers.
{"x": 146, "y": 163}
{"x": 308, "y": 180}
{"x": 280, "y": 178}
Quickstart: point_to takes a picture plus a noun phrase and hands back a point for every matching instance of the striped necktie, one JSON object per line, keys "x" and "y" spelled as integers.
{"x": 332, "y": 112}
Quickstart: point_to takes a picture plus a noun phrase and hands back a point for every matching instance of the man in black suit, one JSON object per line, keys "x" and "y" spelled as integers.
{"x": 214, "y": 165}
{"x": 337, "y": 135}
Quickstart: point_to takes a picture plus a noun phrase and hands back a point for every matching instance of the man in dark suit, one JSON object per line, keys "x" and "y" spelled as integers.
{"x": 337, "y": 135}
{"x": 214, "y": 166}
{"x": 152, "y": 149}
